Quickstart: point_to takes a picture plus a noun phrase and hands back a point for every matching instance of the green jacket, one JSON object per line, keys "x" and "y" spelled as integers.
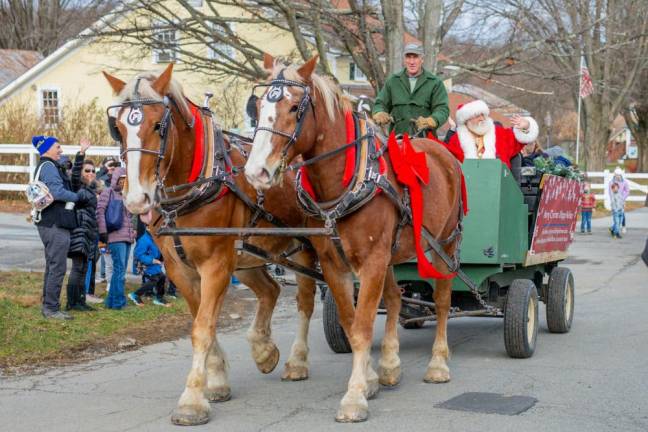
{"x": 429, "y": 99}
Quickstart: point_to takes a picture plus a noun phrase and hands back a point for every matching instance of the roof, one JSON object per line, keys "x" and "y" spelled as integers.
{"x": 504, "y": 107}
{"x": 14, "y": 63}
{"x": 54, "y": 58}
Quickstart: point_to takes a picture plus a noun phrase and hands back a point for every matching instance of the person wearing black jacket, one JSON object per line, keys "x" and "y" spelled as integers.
{"x": 56, "y": 221}
{"x": 83, "y": 239}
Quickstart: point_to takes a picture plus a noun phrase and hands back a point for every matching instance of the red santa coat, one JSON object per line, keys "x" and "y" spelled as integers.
{"x": 499, "y": 142}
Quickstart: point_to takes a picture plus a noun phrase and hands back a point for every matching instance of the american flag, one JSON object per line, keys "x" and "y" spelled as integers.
{"x": 586, "y": 88}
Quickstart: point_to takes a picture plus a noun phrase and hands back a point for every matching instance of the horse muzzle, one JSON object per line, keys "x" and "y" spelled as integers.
{"x": 138, "y": 203}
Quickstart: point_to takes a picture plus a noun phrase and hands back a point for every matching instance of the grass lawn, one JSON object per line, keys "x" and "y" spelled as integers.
{"x": 29, "y": 341}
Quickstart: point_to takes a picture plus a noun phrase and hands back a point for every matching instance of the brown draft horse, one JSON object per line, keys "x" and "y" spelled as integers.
{"x": 204, "y": 277}
{"x": 367, "y": 235}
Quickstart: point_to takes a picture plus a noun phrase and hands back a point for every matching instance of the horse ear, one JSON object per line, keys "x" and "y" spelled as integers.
{"x": 116, "y": 84}
{"x": 268, "y": 62}
{"x": 161, "y": 84}
{"x": 306, "y": 70}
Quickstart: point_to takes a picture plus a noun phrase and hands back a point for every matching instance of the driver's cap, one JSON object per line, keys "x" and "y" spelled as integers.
{"x": 413, "y": 48}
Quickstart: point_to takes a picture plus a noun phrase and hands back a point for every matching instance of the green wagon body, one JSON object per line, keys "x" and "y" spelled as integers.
{"x": 495, "y": 231}
{"x": 509, "y": 281}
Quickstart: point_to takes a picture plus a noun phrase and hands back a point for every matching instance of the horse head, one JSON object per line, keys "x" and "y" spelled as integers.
{"x": 285, "y": 125}
{"x": 143, "y": 122}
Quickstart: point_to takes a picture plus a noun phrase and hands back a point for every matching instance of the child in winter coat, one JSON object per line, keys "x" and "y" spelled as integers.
{"x": 617, "y": 202}
{"x": 588, "y": 202}
{"x": 147, "y": 253}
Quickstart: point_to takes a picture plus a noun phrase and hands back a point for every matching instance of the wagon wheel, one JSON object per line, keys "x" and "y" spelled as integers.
{"x": 560, "y": 300}
{"x": 333, "y": 331}
{"x": 521, "y": 319}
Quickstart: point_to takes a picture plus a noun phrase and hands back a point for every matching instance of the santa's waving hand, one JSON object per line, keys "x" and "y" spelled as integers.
{"x": 478, "y": 137}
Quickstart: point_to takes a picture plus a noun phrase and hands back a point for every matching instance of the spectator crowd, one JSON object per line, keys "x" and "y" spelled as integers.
{"x": 88, "y": 219}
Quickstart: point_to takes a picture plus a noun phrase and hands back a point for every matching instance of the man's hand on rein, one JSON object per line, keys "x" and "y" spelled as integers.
{"x": 425, "y": 123}
{"x": 382, "y": 118}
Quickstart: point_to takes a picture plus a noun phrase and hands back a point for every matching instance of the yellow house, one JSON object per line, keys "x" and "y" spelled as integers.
{"x": 71, "y": 75}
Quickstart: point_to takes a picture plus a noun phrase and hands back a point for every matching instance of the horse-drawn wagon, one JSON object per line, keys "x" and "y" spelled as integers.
{"x": 513, "y": 242}
{"x": 354, "y": 218}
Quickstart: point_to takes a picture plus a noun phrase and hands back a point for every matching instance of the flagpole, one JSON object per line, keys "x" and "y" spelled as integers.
{"x": 578, "y": 120}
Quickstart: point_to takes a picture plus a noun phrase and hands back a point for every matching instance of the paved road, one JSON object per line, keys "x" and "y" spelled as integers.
{"x": 592, "y": 379}
{"x": 21, "y": 247}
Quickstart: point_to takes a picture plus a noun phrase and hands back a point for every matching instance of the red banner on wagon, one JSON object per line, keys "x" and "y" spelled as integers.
{"x": 556, "y": 218}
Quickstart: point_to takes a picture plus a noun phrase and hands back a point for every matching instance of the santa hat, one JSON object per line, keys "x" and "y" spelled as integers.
{"x": 471, "y": 109}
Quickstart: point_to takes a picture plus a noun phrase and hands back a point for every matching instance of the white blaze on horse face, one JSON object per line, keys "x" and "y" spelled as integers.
{"x": 257, "y": 170}
{"x": 136, "y": 201}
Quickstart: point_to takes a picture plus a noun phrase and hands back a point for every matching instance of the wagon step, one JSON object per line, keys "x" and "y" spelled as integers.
{"x": 246, "y": 231}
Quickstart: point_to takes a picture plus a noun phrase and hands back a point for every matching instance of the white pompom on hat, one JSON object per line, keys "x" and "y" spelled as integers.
{"x": 618, "y": 171}
{"x": 471, "y": 109}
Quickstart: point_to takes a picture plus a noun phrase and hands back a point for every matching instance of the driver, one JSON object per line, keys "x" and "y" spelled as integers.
{"x": 412, "y": 100}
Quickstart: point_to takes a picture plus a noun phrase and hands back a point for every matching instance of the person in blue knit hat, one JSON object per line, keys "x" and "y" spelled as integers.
{"x": 56, "y": 220}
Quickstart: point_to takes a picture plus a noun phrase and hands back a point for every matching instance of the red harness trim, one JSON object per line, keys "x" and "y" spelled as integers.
{"x": 411, "y": 170}
{"x": 199, "y": 144}
{"x": 459, "y": 156}
{"x": 199, "y": 149}
{"x": 349, "y": 165}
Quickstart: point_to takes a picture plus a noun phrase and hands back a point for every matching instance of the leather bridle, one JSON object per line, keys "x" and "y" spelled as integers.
{"x": 274, "y": 94}
{"x": 136, "y": 117}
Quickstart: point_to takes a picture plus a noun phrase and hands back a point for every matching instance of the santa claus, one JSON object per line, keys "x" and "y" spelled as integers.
{"x": 478, "y": 137}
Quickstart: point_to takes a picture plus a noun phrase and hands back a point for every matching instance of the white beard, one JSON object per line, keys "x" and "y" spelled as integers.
{"x": 467, "y": 140}
{"x": 481, "y": 128}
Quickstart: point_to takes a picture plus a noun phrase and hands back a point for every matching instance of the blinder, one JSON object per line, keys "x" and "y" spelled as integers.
{"x": 274, "y": 94}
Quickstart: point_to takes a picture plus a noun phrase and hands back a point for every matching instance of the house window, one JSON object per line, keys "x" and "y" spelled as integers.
{"x": 50, "y": 108}
{"x": 355, "y": 73}
{"x": 219, "y": 50}
{"x": 166, "y": 42}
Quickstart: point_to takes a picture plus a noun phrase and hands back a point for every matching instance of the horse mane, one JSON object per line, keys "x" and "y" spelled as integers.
{"x": 325, "y": 86}
{"x": 146, "y": 91}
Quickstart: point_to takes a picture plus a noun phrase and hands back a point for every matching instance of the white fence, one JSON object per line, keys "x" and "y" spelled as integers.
{"x": 637, "y": 191}
{"x": 28, "y": 149}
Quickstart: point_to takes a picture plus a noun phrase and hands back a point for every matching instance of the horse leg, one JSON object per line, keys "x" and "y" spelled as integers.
{"x": 438, "y": 371}
{"x": 218, "y": 388}
{"x": 193, "y": 406}
{"x": 389, "y": 370}
{"x": 264, "y": 351}
{"x": 296, "y": 368}
{"x": 363, "y": 383}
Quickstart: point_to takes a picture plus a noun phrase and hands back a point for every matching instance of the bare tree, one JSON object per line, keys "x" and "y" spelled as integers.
{"x": 636, "y": 117}
{"x": 45, "y": 25}
{"x": 394, "y": 27}
{"x": 610, "y": 35}
{"x": 431, "y": 21}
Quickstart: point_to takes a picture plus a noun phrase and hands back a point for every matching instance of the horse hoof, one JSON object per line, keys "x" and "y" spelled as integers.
{"x": 294, "y": 373}
{"x": 390, "y": 377}
{"x": 373, "y": 386}
{"x": 352, "y": 413}
{"x": 270, "y": 363}
{"x": 218, "y": 394}
{"x": 187, "y": 416}
{"x": 437, "y": 375}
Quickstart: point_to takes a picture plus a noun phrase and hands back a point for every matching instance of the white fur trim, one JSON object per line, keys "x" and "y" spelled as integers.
{"x": 467, "y": 142}
{"x": 530, "y": 135}
{"x": 470, "y": 110}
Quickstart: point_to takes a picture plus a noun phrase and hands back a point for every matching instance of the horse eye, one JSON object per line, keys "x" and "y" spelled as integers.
{"x": 293, "y": 108}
